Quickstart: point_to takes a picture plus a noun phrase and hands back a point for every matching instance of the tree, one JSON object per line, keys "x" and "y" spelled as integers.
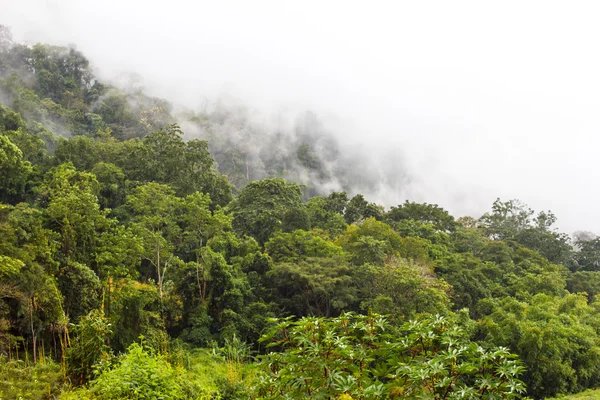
{"x": 6, "y": 40}
{"x": 143, "y": 375}
{"x": 513, "y": 220}
{"x": 370, "y": 242}
{"x": 260, "y": 207}
{"x": 72, "y": 210}
{"x": 424, "y": 213}
{"x": 358, "y": 208}
{"x": 9, "y": 269}
{"x": 299, "y": 245}
{"x": 14, "y": 171}
{"x": 135, "y": 310}
{"x": 188, "y": 167}
{"x": 588, "y": 256}
{"x": 81, "y": 151}
{"x": 323, "y": 214}
{"x": 153, "y": 207}
{"x": 403, "y": 289}
{"x": 506, "y": 219}
{"x": 555, "y": 337}
{"x": 80, "y": 288}
{"x": 112, "y": 184}
{"x": 88, "y": 347}
{"x": 313, "y": 286}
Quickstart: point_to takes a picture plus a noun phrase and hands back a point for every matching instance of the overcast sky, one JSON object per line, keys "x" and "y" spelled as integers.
{"x": 485, "y": 99}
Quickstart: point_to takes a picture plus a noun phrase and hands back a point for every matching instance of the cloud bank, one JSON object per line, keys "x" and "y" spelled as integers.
{"x": 460, "y": 102}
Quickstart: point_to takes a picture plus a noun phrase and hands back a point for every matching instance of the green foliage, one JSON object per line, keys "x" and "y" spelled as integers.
{"x": 106, "y": 204}
{"x": 556, "y": 338}
{"x": 112, "y": 182}
{"x": 370, "y": 242}
{"x": 19, "y": 380}
{"x": 587, "y": 282}
{"x": 80, "y": 288}
{"x": 260, "y": 207}
{"x": 586, "y": 395}
{"x": 327, "y": 214}
{"x": 14, "y": 171}
{"x": 118, "y": 253}
{"x": 134, "y": 310}
{"x": 423, "y": 213}
{"x": 403, "y": 289}
{"x": 588, "y": 256}
{"x": 358, "y": 208}
{"x": 153, "y": 206}
{"x": 166, "y": 158}
{"x": 364, "y": 357}
{"x": 72, "y": 210}
{"x": 513, "y": 220}
{"x": 141, "y": 374}
{"x": 315, "y": 286}
{"x": 299, "y": 245}
{"x": 89, "y": 347}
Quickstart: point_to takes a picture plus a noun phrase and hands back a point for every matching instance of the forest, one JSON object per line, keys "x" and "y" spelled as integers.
{"x": 138, "y": 261}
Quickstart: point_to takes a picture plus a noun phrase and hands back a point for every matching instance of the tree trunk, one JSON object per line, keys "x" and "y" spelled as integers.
{"x": 32, "y": 304}
{"x": 158, "y": 271}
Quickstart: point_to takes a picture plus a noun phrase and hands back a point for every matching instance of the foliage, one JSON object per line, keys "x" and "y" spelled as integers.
{"x": 315, "y": 286}
{"x": 14, "y": 170}
{"x": 89, "y": 347}
{"x": 260, "y": 207}
{"x": 439, "y": 218}
{"x": 364, "y": 357}
{"x": 141, "y": 374}
{"x": 403, "y": 289}
{"x": 20, "y": 380}
{"x": 555, "y": 337}
{"x": 299, "y": 245}
{"x": 112, "y": 219}
{"x": 134, "y": 311}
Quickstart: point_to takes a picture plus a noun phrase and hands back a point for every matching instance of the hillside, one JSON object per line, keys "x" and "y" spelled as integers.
{"x": 151, "y": 254}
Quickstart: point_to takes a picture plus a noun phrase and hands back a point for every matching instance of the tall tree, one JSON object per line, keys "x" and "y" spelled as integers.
{"x": 260, "y": 207}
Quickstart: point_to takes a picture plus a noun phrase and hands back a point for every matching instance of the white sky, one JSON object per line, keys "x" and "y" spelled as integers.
{"x": 486, "y": 99}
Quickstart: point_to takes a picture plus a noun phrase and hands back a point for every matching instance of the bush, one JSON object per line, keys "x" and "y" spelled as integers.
{"x": 361, "y": 357}
{"x": 140, "y": 374}
{"x": 19, "y": 380}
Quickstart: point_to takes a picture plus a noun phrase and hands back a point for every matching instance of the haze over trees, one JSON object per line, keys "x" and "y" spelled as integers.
{"x": 137, "y": 264}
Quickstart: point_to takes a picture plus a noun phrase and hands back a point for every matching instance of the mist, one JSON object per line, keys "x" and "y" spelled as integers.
{"x": 455, "y": 103}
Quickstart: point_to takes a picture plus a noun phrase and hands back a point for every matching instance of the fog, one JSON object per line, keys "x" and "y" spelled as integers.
{"x": 473, "y": 100}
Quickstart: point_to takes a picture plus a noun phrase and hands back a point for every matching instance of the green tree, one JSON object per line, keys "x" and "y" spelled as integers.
{"x": 80, "y": 288}
{"x": 72, "y": 210}
{"x": 14, "y": 171}
{"x": 358, "y": 208}
{"x": 323, "y": 214}
{"x": 313, "y": 286}
{"x": 555, "y": 337}
{"x": 587, "y": 258}
{"x": 513, "y": 220}
{"x": 299, "y": 245}
{"x": 88, "y": 347}
{"x": 135, "y": 310}
{"x": 260, "y": 207}
{"x": 403, "y": 289}
{"x": 371, "y": 242}
{"x": 424, "y": 213}
{"x": 153, "y": 207}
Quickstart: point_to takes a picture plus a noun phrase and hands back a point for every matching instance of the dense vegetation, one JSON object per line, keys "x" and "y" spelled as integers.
{"x": 137, "y": 264}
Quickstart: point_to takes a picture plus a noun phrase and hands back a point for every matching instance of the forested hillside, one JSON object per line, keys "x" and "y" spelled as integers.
{"x": 141, "y": 261}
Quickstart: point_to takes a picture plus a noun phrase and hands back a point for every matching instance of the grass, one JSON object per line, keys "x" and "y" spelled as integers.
{"x": 587, "y": 395}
